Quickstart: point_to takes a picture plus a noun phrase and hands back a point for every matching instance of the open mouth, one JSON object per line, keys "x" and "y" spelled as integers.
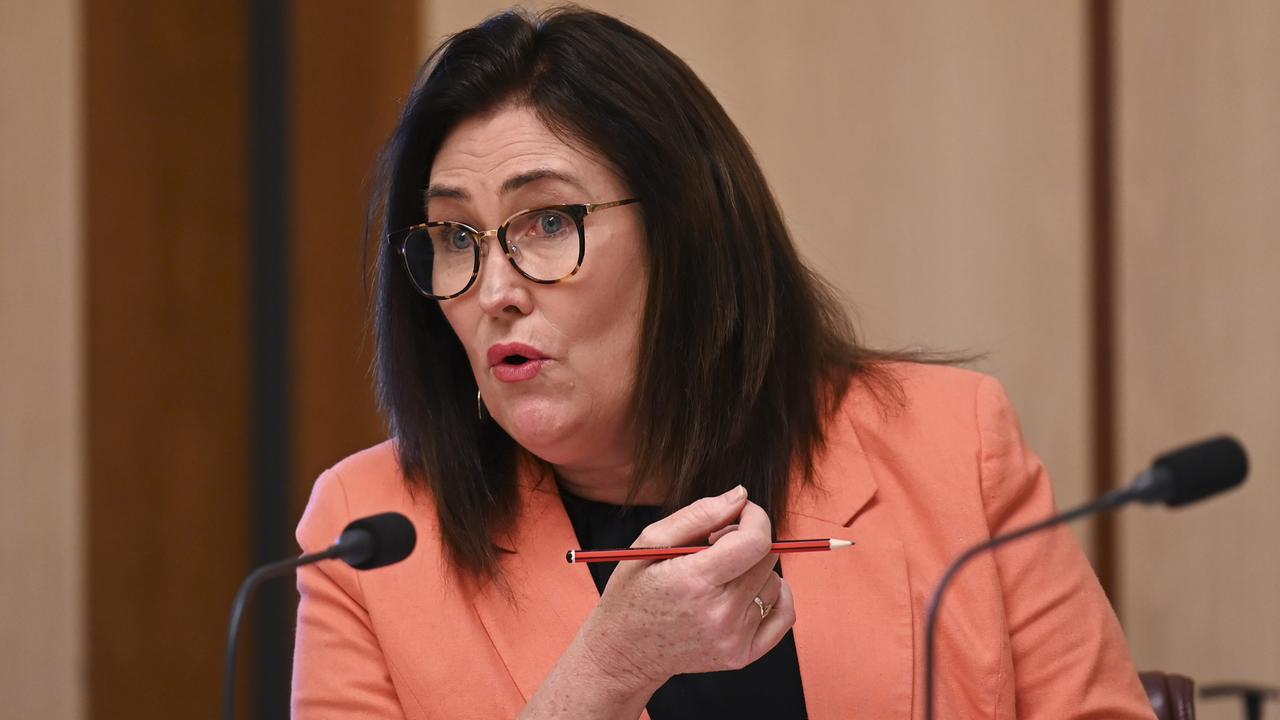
{"x": 515, "y": 362}
{"x": 517, "y": 368}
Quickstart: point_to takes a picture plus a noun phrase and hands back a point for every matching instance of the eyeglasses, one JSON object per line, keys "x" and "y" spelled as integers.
{"x": 545, "y": 245}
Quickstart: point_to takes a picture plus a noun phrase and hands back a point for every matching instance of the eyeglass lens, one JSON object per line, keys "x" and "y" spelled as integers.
{"x": 443, "y": 258}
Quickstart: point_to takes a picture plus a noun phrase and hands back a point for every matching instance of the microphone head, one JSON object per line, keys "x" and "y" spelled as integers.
{"x": 377, "y": 541}
{"x": 1203, "y": 469}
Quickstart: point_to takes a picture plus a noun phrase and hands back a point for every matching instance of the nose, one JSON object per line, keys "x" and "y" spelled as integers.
{"x": 501, "y": 290}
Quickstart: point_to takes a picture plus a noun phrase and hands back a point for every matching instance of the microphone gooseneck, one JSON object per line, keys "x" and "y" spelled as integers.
{"x": 1179, "y": 477}
{"x": 367, "y": 543}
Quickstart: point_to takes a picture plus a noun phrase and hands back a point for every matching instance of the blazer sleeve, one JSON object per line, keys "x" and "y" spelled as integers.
{"x": 338, "y": 668}
{"x": 1069, "y": 654}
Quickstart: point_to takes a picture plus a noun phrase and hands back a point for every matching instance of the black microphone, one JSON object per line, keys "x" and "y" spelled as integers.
{"x": 1178, "y": 477}
{"x": 365, "y": 544}
{"x": 1191, "y": 473}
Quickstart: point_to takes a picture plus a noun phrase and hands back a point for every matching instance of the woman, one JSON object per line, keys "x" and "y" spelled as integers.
{"x": 593, "y": 330}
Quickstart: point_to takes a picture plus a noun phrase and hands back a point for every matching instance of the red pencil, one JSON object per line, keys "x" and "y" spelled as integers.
{"x": 662, "y": 553}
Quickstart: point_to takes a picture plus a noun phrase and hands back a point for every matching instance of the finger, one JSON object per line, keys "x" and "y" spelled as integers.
{"x": 768, "y": 593}
{"x": 775, "y": 626}
{"x": 736, "y": 552}
{"x": 758, "y": 577}
{"x": 695, "y": 521}
{"x": 713, "y": 537}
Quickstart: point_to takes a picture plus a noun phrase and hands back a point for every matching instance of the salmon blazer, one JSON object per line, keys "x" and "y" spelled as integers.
{"x": 1025, "y": 632}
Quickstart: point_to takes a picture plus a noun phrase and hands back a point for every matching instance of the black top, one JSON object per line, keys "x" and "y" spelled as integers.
{"x": 768, "y": 688}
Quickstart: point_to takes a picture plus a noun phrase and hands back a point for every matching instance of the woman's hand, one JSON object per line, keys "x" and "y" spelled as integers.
{"x": 695, "y": 613}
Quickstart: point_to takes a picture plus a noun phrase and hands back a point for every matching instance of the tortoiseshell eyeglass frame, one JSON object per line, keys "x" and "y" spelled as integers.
{"x": 577, "y": 211}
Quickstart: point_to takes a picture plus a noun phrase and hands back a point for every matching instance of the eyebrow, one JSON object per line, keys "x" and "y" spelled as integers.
{"x": 511, "y": 184}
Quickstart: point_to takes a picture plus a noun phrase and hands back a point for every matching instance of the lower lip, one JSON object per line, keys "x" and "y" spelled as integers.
{"x": 518, "y": 373}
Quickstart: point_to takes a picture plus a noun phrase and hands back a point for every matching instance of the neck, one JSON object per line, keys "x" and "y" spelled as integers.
{"x": 606, "y": 484}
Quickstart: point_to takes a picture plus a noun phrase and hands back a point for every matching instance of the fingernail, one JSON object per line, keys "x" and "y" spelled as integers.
{"x": 737, "y": 493}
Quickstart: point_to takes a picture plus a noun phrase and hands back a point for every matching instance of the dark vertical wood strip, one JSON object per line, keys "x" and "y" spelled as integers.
{"x": 270, "y": 397}
{"x": 1101, "y": 123}
{"x": 166, "y": 366}
{"x": 351, "y": 73}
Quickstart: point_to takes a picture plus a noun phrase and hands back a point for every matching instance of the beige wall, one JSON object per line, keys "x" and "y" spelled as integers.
{"x": 1199, "y": 312}
{"x": 41, "y": 630}
{"x": 930, "y": 158}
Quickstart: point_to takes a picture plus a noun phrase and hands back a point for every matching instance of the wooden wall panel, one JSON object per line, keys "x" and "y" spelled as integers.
{"x": 41, "y": 345}
{"x": 930, "y": 158}
{"x": 170, "y": 307}
{"x": 1199, "y": 295}
{"x": 350, "y": 77}
{"x": 167, "y": 275}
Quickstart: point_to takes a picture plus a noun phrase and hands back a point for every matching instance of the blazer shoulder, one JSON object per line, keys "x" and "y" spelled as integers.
{"x": 373, "y": 477}
{"x": 374, "y": 462}
{"x": 914, "y": 394}
{"x": 367, "y": 482}
{"x": 928, "y": 427}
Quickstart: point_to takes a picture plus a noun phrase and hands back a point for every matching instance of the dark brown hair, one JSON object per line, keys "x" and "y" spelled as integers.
{"x": 744, "y": 352}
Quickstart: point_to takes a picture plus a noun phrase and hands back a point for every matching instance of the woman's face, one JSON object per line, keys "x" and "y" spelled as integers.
{"x": 573, "y": 404}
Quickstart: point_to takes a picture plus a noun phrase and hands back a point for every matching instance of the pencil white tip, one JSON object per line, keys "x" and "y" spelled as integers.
{"x": 837, "y": 544}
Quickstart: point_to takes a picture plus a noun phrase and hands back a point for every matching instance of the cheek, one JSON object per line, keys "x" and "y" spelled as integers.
{"x": 610, "y": 358}
{"x": 461, "y": 319}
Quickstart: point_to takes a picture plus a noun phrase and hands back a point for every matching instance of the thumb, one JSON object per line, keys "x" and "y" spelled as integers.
{"x": 694, "y": 522}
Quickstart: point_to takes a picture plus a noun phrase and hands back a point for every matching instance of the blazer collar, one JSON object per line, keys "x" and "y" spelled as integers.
{"x": 842, "y": 483}
{"x": 537, "y": 615}
{"x": 854, "y": 614}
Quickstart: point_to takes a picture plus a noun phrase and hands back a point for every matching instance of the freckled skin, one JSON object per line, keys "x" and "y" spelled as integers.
{"x": 577, "y": 413}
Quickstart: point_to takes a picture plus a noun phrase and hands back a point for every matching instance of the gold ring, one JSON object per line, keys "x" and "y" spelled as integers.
{"x": 764, "y": 606}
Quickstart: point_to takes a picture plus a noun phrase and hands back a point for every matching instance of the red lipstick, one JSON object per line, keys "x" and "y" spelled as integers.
{"x": 515, "y": 362}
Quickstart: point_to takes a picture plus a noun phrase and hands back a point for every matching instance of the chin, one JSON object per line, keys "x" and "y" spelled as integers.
{"x": 546, "y": 431}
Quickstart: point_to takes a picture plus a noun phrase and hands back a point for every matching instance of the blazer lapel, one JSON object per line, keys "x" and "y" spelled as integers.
{"x": 854, "y": 620}
{"x": 549, "y": 599}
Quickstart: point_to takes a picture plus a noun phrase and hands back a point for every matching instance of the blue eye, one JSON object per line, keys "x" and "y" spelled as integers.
{"x": 459, "y": 239}
{"x": 550, "y": 223}
{"x": 451, "y": 239}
